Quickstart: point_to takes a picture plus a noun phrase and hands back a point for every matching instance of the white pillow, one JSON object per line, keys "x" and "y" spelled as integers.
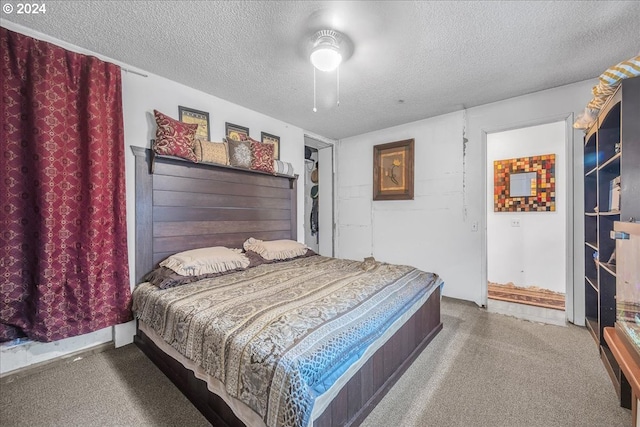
{"x": 276, "y": 249}
{"x": 216, "y": 259}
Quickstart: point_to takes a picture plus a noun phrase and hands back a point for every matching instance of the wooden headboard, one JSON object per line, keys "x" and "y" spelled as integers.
{"x": 181, "y": 205}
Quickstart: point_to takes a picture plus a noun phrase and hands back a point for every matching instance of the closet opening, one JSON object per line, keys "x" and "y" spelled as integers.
{"x": 318, "y": 195}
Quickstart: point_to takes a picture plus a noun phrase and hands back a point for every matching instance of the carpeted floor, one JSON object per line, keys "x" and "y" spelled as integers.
{"x": 483, "y": 369}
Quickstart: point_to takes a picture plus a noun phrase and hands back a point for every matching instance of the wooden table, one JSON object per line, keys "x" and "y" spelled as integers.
{"x": 629, "y": 365}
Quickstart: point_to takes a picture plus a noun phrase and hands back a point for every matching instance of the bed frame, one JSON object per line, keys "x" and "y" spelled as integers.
{"x": 182, "y": 205}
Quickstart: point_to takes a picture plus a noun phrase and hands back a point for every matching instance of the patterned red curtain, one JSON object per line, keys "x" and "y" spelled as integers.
{"x": 63, "y": 265}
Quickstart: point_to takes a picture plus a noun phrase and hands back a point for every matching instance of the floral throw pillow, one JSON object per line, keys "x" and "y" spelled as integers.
{"x": 174, "y": 138}
{"x": 262, "y": 157}
{"x": 239, "y": 153}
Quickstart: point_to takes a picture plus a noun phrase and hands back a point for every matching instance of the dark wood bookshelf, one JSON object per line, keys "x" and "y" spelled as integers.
{"x": 611, "y": 152}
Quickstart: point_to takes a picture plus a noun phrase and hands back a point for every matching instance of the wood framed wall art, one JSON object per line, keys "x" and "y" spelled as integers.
{"x": 236, "y": 132}
{"x": 267, "y": 138}
{"x": 525, "y": 184}
{"x": 393, "y": 170}
{"x": 201, "y": 118}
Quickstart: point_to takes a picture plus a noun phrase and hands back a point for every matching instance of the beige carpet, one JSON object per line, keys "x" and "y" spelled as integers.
{"x": 483, "y": 369}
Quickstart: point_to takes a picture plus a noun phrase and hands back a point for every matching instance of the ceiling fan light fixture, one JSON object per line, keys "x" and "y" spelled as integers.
{"x": 325, "y": 54}
{"x": 325, "y": 59}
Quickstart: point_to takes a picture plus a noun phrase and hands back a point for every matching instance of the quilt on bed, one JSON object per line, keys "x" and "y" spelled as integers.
{"x": 279, "y": 335}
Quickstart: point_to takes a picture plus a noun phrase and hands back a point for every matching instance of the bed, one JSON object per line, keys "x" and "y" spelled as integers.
{"x": 182, "y": 205}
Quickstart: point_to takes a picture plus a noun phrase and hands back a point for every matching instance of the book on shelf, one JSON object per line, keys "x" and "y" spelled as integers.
{"x": 614, "y": 194}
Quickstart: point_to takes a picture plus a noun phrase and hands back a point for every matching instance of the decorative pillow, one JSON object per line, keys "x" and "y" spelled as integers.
{"x": 165, "y": 278}
{"x": 211, "y": 152}
{"x": 282, "y": 168}
{"x": 276, "y": 249}
{"x": 216, "y": 259}
{"x": 262, "y": 159}
{"x": 174, "y": 138}
{"x": 239, "y": 153}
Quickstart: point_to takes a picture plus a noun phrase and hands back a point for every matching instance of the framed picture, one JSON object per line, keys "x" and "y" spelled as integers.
{"x": 236, "y": 132}
{"x": 393, "y": 171}
{"x": 201, "y": 118}
{"x": 267, "y": 138}
{"x": 525, "y": 184}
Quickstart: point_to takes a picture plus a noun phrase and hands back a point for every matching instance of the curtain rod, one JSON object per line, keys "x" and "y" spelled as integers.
{"x": 134, "y": 72}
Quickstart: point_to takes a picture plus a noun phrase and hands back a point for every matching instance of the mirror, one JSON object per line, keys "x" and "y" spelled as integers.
{"x": 522, "y": 184}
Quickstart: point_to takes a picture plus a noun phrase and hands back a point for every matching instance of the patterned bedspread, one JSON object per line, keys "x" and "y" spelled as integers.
{"x": 279, "y": 335}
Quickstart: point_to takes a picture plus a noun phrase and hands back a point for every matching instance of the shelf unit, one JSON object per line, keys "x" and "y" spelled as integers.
{"x": 611, "y": 150}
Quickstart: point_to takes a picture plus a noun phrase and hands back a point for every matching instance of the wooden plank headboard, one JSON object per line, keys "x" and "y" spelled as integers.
{"x": 182, "y": 205}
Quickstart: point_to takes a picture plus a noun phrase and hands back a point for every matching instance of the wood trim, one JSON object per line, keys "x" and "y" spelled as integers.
{"x": 294, "y": 208}
{"x": 630, "y": 370}
{"x": 628, "y": 364}
{"x": 144, "y": 212}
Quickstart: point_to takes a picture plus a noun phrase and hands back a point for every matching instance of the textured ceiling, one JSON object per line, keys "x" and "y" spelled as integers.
{"x": 436, "y": 57}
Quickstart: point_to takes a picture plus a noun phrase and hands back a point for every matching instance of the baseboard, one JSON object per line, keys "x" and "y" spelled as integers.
{"x": 9, "y": 377}
{"x": 528, "y": 312}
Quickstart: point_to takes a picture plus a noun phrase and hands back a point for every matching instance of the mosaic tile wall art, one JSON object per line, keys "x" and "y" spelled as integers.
{"x": 542, "y": 195}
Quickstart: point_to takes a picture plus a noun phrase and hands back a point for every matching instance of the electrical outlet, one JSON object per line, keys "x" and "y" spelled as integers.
{"x": 515, "y": 222}
{"x": 474, "y": 226}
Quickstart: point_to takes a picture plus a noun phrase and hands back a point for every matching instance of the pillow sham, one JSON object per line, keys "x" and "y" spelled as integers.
{"x": 211, "y": 152}
{"x": 276, "y": 249}
{"x": 174, "y": 138}
{"x": 262, "y": 157}
{"x": 256, "y": 259}
{"x": 216, "y": 259}
{"x": 166, "y": 278}
{"x": 239, "y": 153}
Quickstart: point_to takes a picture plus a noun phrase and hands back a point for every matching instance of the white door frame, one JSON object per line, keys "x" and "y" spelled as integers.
{"x": 571, "y": 287}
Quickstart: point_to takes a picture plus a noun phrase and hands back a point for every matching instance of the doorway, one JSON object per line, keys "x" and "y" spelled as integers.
{"x": 527, "y": 238}
{"x": 318, "y": 195}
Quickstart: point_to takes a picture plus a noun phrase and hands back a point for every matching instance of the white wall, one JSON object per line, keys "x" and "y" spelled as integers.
{"x": 533, "y": 253}
{"x": 426, "y": 232}
{"x": 433, "y": 232}
{"x": 141, "y": 95}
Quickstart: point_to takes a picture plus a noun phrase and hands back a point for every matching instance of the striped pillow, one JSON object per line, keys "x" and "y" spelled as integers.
{"x": 283, "y": 168}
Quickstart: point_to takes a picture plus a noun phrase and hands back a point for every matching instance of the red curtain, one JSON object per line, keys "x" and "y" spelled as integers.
{"x": 63, "y": 265}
